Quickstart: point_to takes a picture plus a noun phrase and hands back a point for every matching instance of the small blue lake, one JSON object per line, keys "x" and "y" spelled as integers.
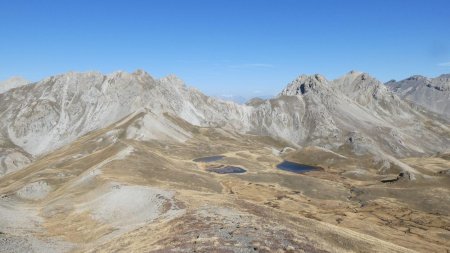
{"x": 227, "y": 169}
{"x": 296, "y": 167}
{"x": 208, "y": 159}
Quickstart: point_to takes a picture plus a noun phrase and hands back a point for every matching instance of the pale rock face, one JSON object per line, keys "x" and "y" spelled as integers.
{"x": 127, "y": 206}
{"x": 313, "y": 95}
{"x": 304, "y": 84}
{"x": 12, "y": 157}
{"x": 41, "y": 117}
{"x": 12, "y": 160}
{"x": 55, "y": 111}
{"x": 156, "y": 127}
{"x": 34, "y": 191}
{"x": 333, "y": 111}
{"x": 430, "y": 93}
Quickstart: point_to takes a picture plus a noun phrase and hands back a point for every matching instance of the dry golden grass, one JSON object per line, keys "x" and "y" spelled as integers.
{"x": 314, "y": 212}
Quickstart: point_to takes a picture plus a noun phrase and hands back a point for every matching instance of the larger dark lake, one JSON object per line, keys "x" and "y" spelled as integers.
{"x": 296, "y": 167}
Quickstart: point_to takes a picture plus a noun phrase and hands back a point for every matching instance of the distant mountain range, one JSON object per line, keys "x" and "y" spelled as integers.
{"x": 126, "y": 162}
{"x": 430, "y": 93}
{"x": 355, "y": 112}
{"x": 240, "y": 99}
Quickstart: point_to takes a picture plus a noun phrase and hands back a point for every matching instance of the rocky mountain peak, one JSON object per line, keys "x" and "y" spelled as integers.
{"x": 444, "y": 80}
{"x": 354, "y": 73}
{"x": 416, "y": 78}
{"x": 72, "y": 77}
{"x": 430, "y": 93}
{"x": 142, "y": 76}
{"x": 305, "y": 83}
{"x": 140, "y": 72}
{"x": 358, "y": 82}
{"x": 120, "y": 74}
{"x": 391, "y": 81}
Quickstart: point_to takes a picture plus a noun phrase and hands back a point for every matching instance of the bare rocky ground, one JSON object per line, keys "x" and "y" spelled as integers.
{"x": 109, "y": 192}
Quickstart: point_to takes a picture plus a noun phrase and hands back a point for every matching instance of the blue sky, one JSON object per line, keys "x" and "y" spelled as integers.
{"x": 240, "y": 47}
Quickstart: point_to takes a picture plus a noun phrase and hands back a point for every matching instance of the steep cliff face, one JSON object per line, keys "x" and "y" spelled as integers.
{"x": 43, "y": 116}
{"x": 57, "y": 110}
{"x": 430, "y": 93}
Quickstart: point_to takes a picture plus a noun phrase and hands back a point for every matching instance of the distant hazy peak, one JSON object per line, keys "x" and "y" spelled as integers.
{"x": 351, "y": 82}
{"x": 441, "y": 82}
{"x": 255, "y": 101}
{"x": 83, "y": 78}
{"x": 74, "y": 75}
{"x": 430, "y": 93}
{"x": 391, "y": 81}
{"x": 416, "y": 77}
{"x": 16, "y": 79}
{"x": 444, "y": 76}
{"x": 233, "y": 98}
{"x": 12, "y": 82}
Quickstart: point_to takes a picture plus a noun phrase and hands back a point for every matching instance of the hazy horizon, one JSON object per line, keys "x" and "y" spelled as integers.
{"x": 237, "y": 97}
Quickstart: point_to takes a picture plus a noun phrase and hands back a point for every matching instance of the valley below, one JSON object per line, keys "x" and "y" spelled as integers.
{"x": 107, "y": 193}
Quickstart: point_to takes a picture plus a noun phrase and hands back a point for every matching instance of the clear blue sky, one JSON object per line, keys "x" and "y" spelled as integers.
{"x": 240, "y": 47}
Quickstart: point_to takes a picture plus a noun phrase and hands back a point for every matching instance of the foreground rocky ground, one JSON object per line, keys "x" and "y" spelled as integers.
{"x": 107, "y": 192}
